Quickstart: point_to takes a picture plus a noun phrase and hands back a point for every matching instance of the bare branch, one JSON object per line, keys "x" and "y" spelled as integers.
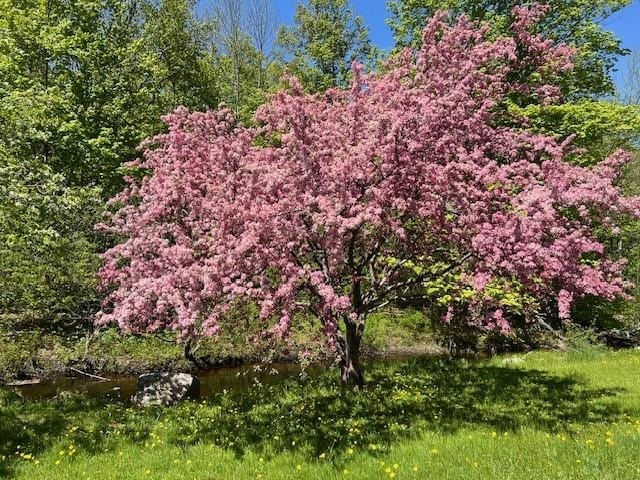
{"x": 378, "y": 298}
{"x": 630, "y": 89}
{"x": 262, "y": 24}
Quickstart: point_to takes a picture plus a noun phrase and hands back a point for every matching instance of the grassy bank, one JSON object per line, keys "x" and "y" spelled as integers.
{"x": 546, "y": 415}
{"x": 38, "y": 352}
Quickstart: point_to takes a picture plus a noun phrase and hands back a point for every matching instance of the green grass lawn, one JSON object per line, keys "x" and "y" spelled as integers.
{"x": 572, "y": 415}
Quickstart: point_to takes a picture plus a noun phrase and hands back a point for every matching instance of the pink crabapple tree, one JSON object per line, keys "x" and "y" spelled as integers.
{"x": 343, "y": 202}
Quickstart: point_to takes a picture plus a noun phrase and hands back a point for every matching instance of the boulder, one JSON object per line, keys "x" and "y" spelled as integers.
{"x": 621, "y": 338}
{"x": 165, "y": 388}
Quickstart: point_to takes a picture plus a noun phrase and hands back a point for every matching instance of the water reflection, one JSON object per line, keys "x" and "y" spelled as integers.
{"x": 239, "y": 378}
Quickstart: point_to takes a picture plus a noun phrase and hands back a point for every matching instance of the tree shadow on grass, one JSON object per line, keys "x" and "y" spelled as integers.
{"x": 317, "y": 415}
{"x": 402, "y": 400}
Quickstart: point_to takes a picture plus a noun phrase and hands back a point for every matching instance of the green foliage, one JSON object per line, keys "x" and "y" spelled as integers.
{"x": 325, "y": 39}
{"x": 47, "y": 259}
{"x": 452, "y": 288}
{"x": 82, "y": 82}
{"x": 599, "y": 127}
{"x": 178, "y": 46}
{"x": 407, "y": 330}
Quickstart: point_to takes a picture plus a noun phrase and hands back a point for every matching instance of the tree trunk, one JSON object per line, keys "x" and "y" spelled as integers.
{"x": 190, "y": 350}
{"x": 349, "y": 351}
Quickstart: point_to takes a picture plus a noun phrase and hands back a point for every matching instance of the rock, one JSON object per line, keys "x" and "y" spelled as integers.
{"x": 165, "y": 388}
{"x": 22, "y": 383}
{"x": 621, "y": 338}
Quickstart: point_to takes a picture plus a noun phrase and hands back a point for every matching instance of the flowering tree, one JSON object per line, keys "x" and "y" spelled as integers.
{"x": 343, "y": 202}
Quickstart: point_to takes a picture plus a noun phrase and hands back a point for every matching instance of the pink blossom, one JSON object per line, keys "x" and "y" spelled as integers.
{"x": 325, "y": 204}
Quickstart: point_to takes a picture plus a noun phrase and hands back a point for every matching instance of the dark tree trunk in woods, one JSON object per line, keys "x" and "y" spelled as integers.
{"x": 349, "y": 351}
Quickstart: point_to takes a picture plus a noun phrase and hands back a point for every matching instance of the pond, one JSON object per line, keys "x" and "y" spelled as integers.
{"x": 235, "y": 378}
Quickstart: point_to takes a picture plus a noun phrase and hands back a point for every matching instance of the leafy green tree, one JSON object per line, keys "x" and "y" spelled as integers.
{"x": 82, "y": 82}
{"x": 574, "y": 22}
{"x": 597, "y": 128}
{"x": 181, "y": 44}
{"x": 47, "y": 259}
{"x": 326, "y": 38}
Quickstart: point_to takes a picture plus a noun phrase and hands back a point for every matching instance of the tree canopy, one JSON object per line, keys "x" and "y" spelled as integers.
{"x": 342, "y": 202}
{"x": 572, "y": 22}
{"x": 83, "y": 82}
{"x": 325, "y": 38}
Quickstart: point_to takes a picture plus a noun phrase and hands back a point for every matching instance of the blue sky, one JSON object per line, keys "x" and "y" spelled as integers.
{"x": 626, "y": 22}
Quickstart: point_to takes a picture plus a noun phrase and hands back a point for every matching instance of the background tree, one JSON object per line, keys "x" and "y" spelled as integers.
{"x": 84, "y": 82}
{"x": 574, "y": 22}
{"x": 48, "y": 260}
{"x": 244, "y": 70}
{"x": 629, "y": 92}
{"x": 323, "y": 42}
{"x": 262, "y": 25}
{"x": 230, "y": 14}
{"x": 182, "y": 45}
{"x": 81, "y": 84}
{"x": 363, "y": 197}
